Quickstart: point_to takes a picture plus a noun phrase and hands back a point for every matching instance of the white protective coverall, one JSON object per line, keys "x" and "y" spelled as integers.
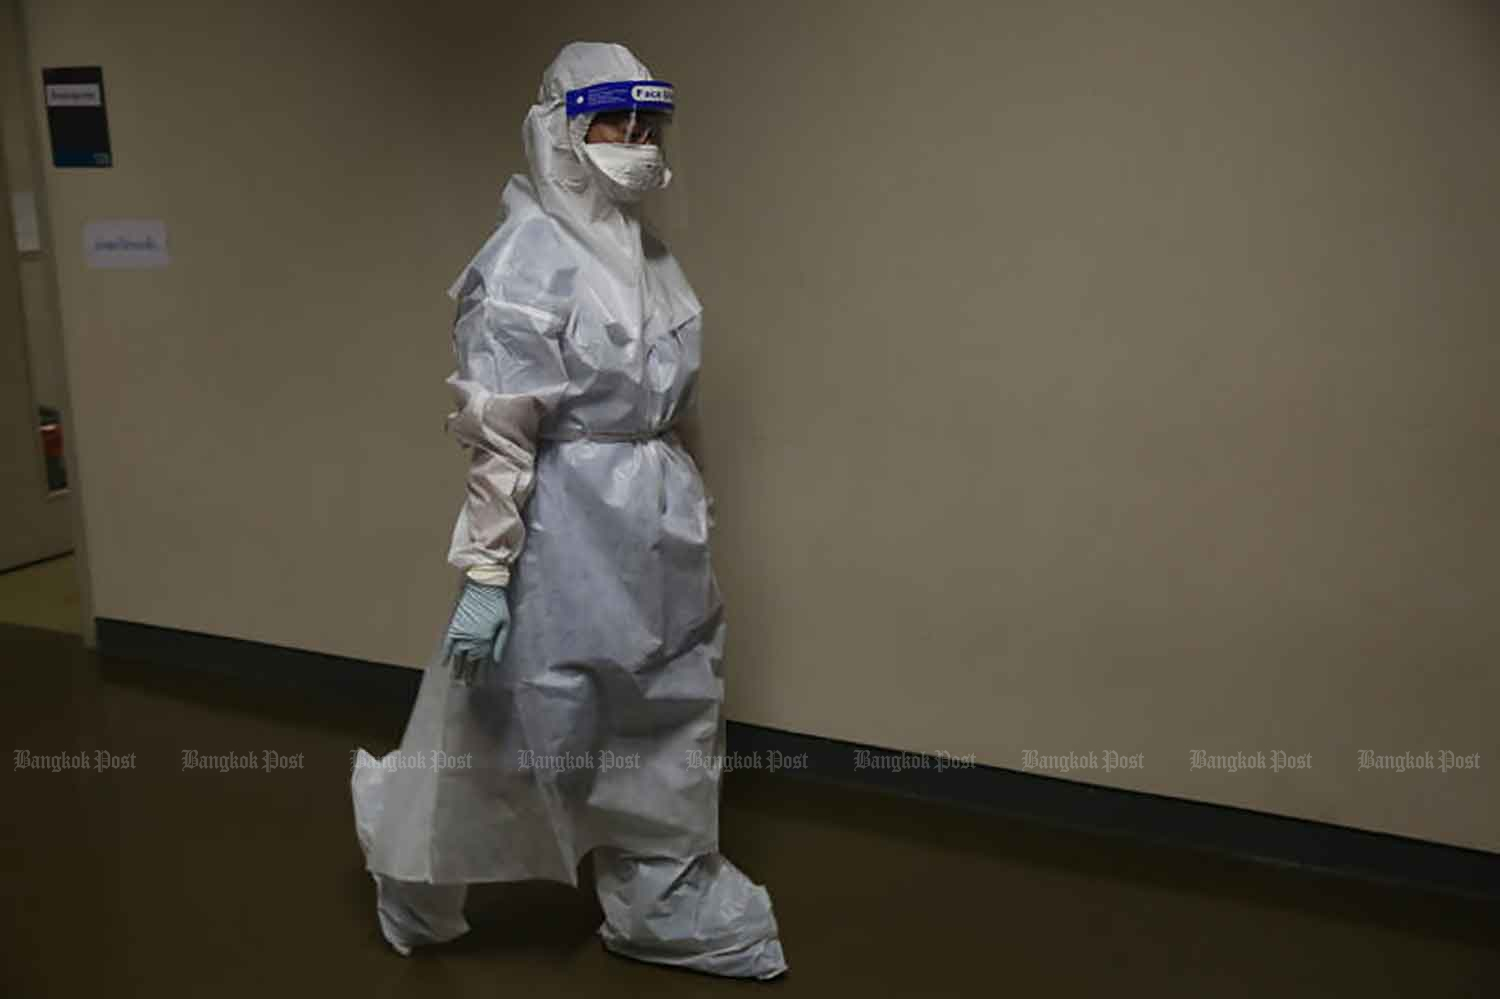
{"x": 599, "y": 729}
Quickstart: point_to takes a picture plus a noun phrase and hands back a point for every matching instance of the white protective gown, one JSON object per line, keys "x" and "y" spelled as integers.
{"x": 578, "y": 345}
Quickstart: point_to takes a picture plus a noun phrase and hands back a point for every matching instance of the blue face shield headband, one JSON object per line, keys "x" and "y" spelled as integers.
{"x": 622, "y": 95}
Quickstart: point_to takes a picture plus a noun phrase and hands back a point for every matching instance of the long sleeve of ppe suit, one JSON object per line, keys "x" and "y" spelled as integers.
{"x": 600, "y": 728}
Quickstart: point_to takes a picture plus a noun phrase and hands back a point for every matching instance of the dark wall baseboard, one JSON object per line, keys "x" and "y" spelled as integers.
{"x": 1159, "y": 819}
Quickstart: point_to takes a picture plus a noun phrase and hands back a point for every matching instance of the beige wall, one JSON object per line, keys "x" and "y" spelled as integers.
{"x": 1078, "y": 380}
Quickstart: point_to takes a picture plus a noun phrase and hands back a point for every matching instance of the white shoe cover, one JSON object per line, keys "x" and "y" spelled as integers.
{"x": 411, "y": 913}
{"x": 703, "y": 914}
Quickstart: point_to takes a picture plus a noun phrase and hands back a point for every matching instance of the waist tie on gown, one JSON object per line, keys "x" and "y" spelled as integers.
{"x": 609, "y": 436}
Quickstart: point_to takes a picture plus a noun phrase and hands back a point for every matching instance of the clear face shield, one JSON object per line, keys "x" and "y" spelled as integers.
{"x": 624, "y": 128}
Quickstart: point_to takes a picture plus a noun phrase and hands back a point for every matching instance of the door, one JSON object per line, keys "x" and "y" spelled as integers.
{"x": 35, "y": 516}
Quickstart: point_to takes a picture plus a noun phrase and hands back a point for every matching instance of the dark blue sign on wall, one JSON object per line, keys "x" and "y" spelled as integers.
{"x": 76, "y": 116}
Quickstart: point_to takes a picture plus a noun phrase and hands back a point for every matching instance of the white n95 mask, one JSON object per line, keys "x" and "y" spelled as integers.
{"x": 628, "y": 170}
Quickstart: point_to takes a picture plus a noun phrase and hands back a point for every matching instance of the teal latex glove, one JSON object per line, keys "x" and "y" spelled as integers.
{"x": 476, "y": 636}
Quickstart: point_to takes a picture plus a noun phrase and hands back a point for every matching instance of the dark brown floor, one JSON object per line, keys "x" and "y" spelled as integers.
{"x": 161, "y": 882}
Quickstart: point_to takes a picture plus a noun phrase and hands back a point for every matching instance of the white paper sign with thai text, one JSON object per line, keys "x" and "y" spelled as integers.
{"x": 125, "y": 243}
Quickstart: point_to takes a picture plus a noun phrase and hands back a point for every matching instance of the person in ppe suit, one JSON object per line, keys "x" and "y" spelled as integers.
{"x": 575, "y": 704}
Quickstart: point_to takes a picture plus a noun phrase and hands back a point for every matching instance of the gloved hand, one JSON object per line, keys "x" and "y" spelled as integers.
{"x": 477, "y": 633}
